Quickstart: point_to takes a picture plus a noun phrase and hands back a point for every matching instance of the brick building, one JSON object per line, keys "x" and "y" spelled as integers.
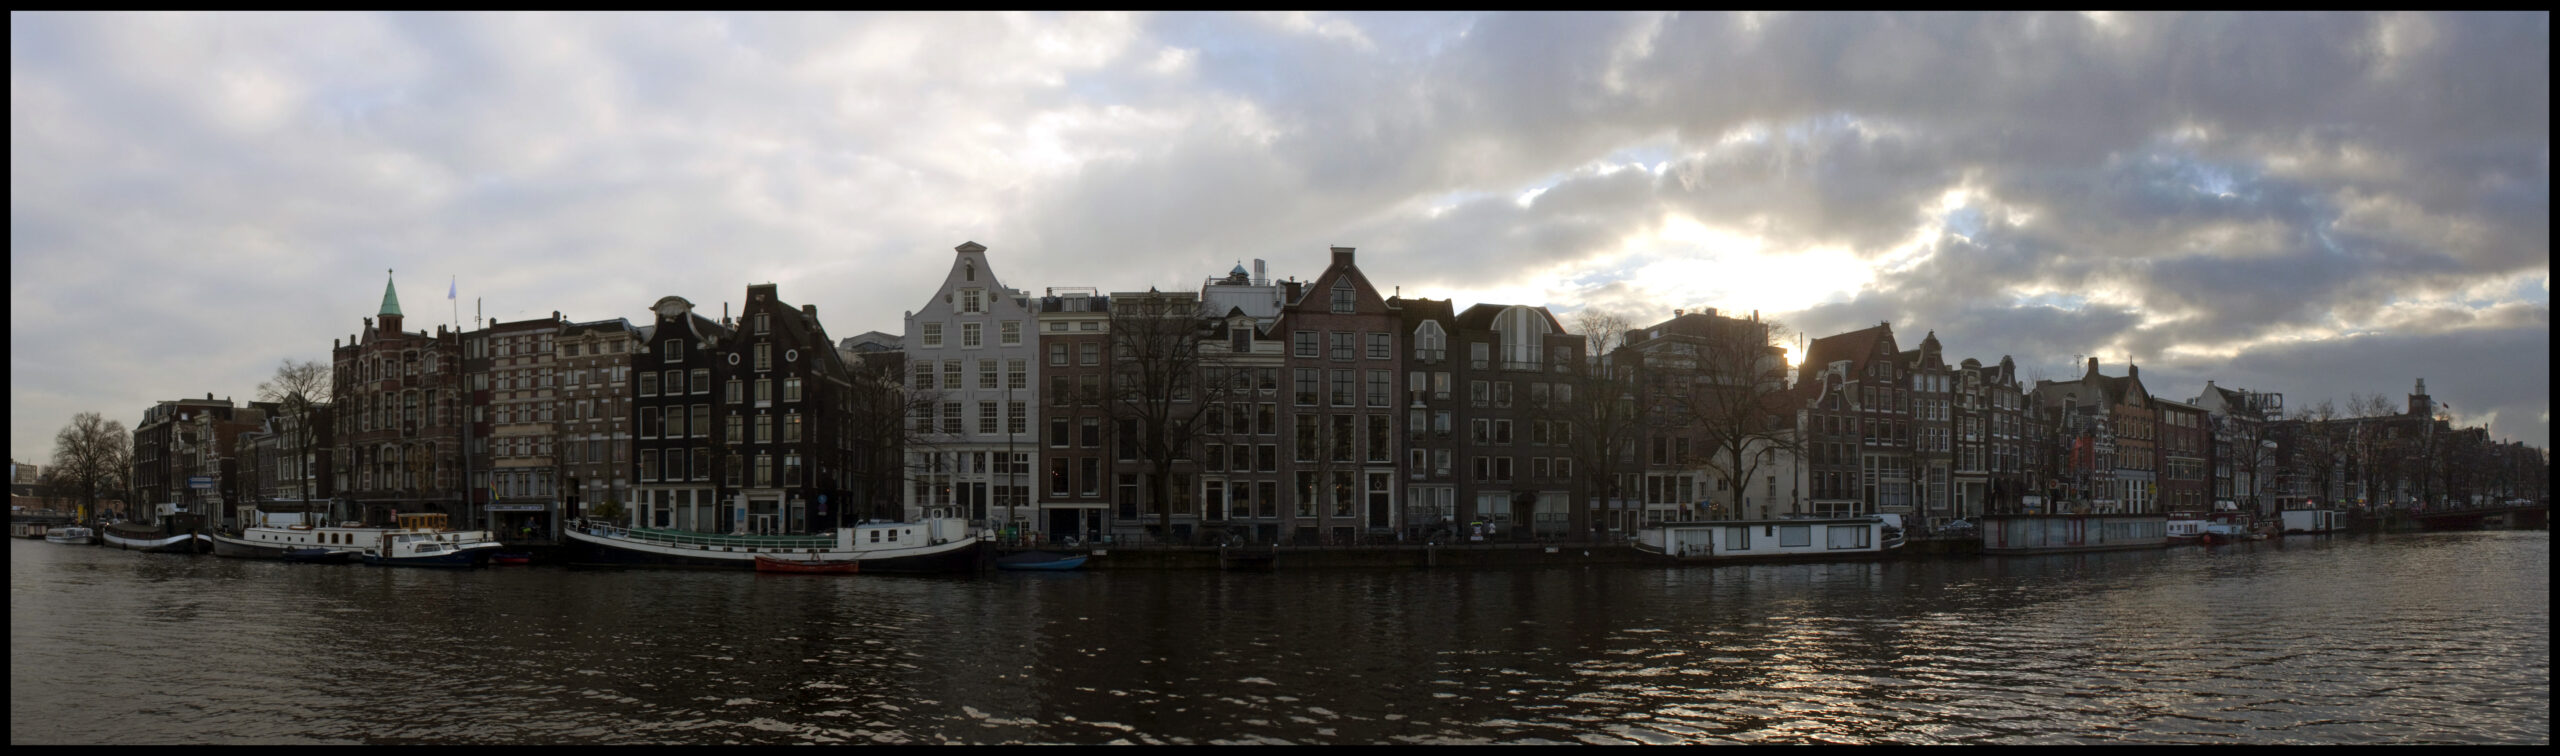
{"x": 400, "y": 418}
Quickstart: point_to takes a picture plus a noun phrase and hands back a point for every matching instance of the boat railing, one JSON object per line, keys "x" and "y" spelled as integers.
{"x": 708, "y": 540}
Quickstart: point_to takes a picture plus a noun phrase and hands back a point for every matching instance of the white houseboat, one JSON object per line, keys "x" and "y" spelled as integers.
{"x": 940, "y": 544}
{"x": 422, "y": 540}
{"x": 1806, "y": 540}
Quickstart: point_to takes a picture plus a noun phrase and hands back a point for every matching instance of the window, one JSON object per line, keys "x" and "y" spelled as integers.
{"x": 791, "y": 388}
{"x": 764, "y": 471}
{"x": 1305, "y": 379}
{"x": 1381, "y": 387}
{"x": 1344, "y": 296}
{"x": 701, "y": 420}
{"x": 986, "y": 374}
{"x": 648, "y": 384}
{"x": 951, "y": 374}
{"x": 972, "y": 300}
{"x": 932, "y": 335}
{"x": 1058, "y": 354}
{"x": 764, "y": 392}
{"x": 1342, "y": 396}
{"x": 1089, "y": 354}
{"x": 1379, "y": 346}
{"x": 764, "y": 429}
{"x": 1302, "y": 343}
{"x": 1342, "y": 349}
{"x": 1016, "y": 420}
{"x": 701, "y": 381}
{"x": 674, "y": 350}
{"x": 764, "y": 356}
{"x": 1010, "y": 332}
{"x": 972, "y": 335}
{"x": 1017, "y": 374}
{"x": 737, "y": 430}
{"x": 791, "y": 428}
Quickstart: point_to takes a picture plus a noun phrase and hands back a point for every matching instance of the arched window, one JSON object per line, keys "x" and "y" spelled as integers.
{"x": 1429, "y": 341}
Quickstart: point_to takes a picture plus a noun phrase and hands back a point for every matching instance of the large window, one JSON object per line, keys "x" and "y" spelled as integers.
{"x": 932, "y": 335}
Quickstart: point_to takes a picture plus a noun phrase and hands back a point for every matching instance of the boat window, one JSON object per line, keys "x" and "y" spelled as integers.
{"x": 1737, "y": 539}
{"x": 875, "y": 536}
{"x": 1795, "y": 535}
{"x": 893, "y": 535}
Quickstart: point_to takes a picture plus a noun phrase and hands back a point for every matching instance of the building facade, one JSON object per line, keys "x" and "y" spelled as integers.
{"x": 400, "y": 417}
{"x": 974, "y": 334}
{"x": 674, "y": 374}
{"x": 594, "y": 407}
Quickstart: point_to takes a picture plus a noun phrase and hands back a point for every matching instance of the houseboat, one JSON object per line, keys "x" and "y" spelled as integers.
{"x": 285, "y": 536}
{"x": 422, "y": 540}
{"x": 2313, "y": 520}
{"x": 166, "y": 538}
{"x": 2064, "y": 533}
{"x": 936, "y": 544}
{"x": 1784, "y": 540}
{"x": 2186, "y": 530}
{"x": 72, "y": 535}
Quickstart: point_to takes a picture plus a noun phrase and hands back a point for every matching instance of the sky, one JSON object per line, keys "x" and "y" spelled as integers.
{"x": 2317, "y": 205}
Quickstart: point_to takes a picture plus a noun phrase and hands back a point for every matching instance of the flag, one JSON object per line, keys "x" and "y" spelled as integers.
{"x": 452, "y": 288}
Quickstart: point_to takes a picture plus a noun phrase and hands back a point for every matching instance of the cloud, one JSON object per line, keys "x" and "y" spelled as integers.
{"x": 195, "y": 197}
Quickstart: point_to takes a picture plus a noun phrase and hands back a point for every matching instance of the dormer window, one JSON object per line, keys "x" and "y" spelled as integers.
{"x": 972, "y": 300}
{"x": 1344, "y": 296}
{"x": 1239, "y": 338}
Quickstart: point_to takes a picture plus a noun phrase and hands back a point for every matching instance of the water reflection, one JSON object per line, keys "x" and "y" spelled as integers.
{"x": 2406, "y": 639}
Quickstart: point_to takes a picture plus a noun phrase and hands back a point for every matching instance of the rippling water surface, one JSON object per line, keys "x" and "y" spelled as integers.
{"x": 2440, "y": 638}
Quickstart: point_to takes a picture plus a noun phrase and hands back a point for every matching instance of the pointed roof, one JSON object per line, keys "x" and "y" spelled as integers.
{"x": 390, "y": 297}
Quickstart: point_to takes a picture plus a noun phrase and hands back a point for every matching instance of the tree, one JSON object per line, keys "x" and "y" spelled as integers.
{"x": 1600, "y": 421}
{"x": 886, "y": 418}
{"x": 295, "y": 389}
{"x": 2316, "y": 447}
{"x": 1728, "y": 383}
{"x": 92, "y": 459}
{"x": 1161, "y": 385}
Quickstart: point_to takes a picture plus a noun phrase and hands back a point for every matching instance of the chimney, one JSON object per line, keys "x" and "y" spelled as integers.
{"x": 1342, "y": 256}
{"x": 1677, "y": 312}
{"x": 809, "y": 310}
{"x": 2093, "y": 367}
{"x": 2132, "y": 370}
{"x": 1711, "y": 312}
{"x": 1258, "y": 278}
{"x": 555, "y": 316}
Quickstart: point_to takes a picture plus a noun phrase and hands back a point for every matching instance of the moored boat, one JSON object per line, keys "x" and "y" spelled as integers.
{"x": 155, "y": 538}
{"x": 2186, "y": 532}
{"x": 932, "y": 545}
{"x": 808, "y": 566}
{"x": 1040, "y": 560}
{"x": 73, "y": 535}
{"x": 1819, "y": 539}
{"x": 421, "y": 540}
{"x": 511, "y": 557}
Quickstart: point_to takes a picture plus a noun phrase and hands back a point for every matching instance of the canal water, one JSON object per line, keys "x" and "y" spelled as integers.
{"x": 2437, "y": 638}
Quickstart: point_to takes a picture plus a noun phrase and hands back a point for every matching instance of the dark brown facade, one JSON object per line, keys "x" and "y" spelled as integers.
{"x": 400, "y": 419}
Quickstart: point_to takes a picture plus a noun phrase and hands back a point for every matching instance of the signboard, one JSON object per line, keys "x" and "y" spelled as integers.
{"x": 200, "y": 483}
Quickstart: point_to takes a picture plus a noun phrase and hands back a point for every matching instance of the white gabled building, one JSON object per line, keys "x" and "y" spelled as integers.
{"x": 973, "y": 345}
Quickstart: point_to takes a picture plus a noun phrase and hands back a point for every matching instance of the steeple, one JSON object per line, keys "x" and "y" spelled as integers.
{"x": 390, "y": 306}
{"x": 390, "y": 296}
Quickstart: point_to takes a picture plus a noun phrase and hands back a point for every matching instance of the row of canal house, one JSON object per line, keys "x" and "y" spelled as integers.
{"x": 1317, "y": 410}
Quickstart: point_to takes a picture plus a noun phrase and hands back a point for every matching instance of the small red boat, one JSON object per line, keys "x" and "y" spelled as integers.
{"x": 808, "y": 566}
{"x": 510, "y": 557}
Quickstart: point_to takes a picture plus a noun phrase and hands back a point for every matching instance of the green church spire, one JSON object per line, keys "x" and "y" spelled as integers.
{"x": 390, "y": 297}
